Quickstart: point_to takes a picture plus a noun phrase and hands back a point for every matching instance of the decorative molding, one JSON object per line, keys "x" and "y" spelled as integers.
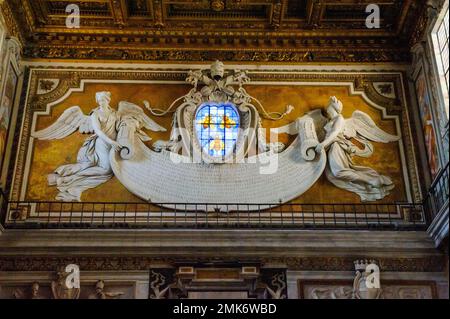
{"x": 114, "y": 263}
{"x": 284, "y": 55}
{"x": 265, "y": 31}
{"x": 11, "y": 23}
{"x": 347, "y": 263}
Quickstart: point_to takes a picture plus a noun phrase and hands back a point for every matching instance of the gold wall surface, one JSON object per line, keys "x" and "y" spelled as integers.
{"x": 48, "y": 155}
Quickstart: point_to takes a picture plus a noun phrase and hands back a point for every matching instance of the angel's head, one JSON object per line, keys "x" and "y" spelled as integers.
{"x": 103, "y": 98}
{"x": 334, "y": 107}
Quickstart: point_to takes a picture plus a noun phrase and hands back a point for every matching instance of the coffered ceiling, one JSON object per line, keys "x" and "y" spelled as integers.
{"x": 196, "y": 30}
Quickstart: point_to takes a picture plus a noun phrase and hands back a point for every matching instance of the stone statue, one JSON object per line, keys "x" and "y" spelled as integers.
{"x": 93, "y": 164}
{"x": 33, "y": 293}
{"x": 60, "y": 289}
{"x": 100, "y": 292}
{"x": 366, "y": 284}
{"x": 341, "y": 170}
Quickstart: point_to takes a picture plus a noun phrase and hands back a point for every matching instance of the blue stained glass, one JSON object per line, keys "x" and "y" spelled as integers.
{"x": 217, "y": 127}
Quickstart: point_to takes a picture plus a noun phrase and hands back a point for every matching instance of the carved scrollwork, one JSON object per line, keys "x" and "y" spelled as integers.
{"x": 277, "y": 287}
{"x": 161, "y": 282}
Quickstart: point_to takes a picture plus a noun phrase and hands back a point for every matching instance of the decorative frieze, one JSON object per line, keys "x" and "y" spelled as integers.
{"x": 114, "y": 263}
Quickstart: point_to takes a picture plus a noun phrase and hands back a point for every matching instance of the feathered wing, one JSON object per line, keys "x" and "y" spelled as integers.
{"x": 361, "y": 125}
{"x": 130, "y": 109}
{"x": 72, "y": 119}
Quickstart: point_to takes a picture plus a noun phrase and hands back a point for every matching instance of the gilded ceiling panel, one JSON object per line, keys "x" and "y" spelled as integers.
{"x": 315, "y": 31}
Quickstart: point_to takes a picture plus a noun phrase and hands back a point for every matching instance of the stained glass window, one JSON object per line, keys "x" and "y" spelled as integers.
{"x": 217, "y": 127}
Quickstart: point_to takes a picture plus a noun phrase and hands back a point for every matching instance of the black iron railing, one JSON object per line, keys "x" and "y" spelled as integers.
{"x": 46, "y": 214}
{"x": 437, "y": 197}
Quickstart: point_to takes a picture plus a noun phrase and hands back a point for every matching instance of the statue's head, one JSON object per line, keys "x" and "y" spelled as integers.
{"x": 103, "y": 98}
{"x": 100, "y": 285}
{"x": 334, "y": 107}
{"x": 217, "y": 70}
{"x": 34, "y": 289}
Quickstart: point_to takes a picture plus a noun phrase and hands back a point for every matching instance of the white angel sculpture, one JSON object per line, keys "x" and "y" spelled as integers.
{"x": 341, "y": 170}
{"x": 93, "y": 164}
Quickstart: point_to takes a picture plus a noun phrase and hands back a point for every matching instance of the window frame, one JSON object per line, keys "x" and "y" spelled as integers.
{"x": 440, "y": 67}
{"x": 199, "y": 139}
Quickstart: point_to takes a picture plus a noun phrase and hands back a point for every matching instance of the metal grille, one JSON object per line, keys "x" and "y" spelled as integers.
{"x": 437, "y": 197}
{"x": 43, "y": 214}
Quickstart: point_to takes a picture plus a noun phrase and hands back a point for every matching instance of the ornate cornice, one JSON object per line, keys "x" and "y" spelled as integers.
{"x": 260, "y": 31}
{"x": 432, "y": 264}
{"x": 420, "y": 27}
{"x": 11, "y": 23}
{"x": 174, "y": 54}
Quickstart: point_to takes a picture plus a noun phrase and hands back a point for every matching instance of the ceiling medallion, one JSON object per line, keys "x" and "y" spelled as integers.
{"x": 218, "y": 5}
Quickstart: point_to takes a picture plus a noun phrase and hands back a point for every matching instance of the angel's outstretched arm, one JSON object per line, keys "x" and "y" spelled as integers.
{"x": 99, "y": 132}
{"x": 338, "y": 127}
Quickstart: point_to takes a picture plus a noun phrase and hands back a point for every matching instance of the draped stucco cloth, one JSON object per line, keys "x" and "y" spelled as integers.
{"x": 162, "y": 177}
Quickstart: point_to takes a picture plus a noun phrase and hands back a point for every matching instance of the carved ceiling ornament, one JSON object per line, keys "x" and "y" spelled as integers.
{"x": 217, "y": 124}
{"x": 11, "y": 24}
{"x": 215, "y": 29}
{"x": 72, "y": 79}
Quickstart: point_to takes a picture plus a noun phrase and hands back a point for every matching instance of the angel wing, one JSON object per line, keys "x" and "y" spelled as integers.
{"x": 361, "y": 125}
{"x": 72, "y": 119}
{"x": 130, "y": 109}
